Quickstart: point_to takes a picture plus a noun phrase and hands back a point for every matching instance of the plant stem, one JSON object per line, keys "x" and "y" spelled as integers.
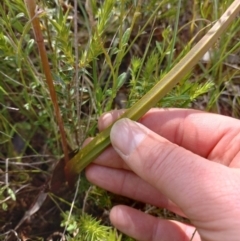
{"x": 86, "y": 155}
{"x": 33, "y": 15}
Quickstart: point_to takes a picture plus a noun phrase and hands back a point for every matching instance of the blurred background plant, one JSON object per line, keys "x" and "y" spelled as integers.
{"x": 107, "y": 58}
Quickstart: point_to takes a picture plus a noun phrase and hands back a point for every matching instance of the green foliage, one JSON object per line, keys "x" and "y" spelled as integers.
{"x": 86, "y": 228}
{"x": 142, "y": 81}
{"x": 6, "y": 193}
{"x": 100, "y": 197}
{"x": 91, "y": 228}
{"x": 115, "y": 38}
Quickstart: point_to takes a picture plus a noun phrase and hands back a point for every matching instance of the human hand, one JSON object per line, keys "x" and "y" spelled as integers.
{"x": 184, "y": 160}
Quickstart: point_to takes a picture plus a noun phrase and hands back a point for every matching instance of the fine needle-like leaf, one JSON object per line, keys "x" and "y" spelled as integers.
{"x": 86, "y": 155}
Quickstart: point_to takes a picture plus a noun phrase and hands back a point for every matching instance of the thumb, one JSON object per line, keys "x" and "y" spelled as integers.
{"x": 184, "y": 177}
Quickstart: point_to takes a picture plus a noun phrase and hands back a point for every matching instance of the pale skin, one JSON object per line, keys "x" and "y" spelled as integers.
{"x": 186, "y": 161}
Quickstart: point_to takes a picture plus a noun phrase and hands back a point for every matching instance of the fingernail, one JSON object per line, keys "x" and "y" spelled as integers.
{"x": 126, "y": 135}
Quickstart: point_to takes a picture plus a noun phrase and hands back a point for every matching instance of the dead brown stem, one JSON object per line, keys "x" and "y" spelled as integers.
{"x": 34, "y": 18}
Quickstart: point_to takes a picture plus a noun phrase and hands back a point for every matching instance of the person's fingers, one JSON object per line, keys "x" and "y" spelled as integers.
{"x": 144, "y": 227}
{"x": 185, "y": 178}
{"x": 111, "y": 159}
{"x": 191, "y": 129}
{"x": 128, "y": 184}
{"x": 88, "y": 140}
{"x": 108, "y": 118}
{"x": 108, "y": 158}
